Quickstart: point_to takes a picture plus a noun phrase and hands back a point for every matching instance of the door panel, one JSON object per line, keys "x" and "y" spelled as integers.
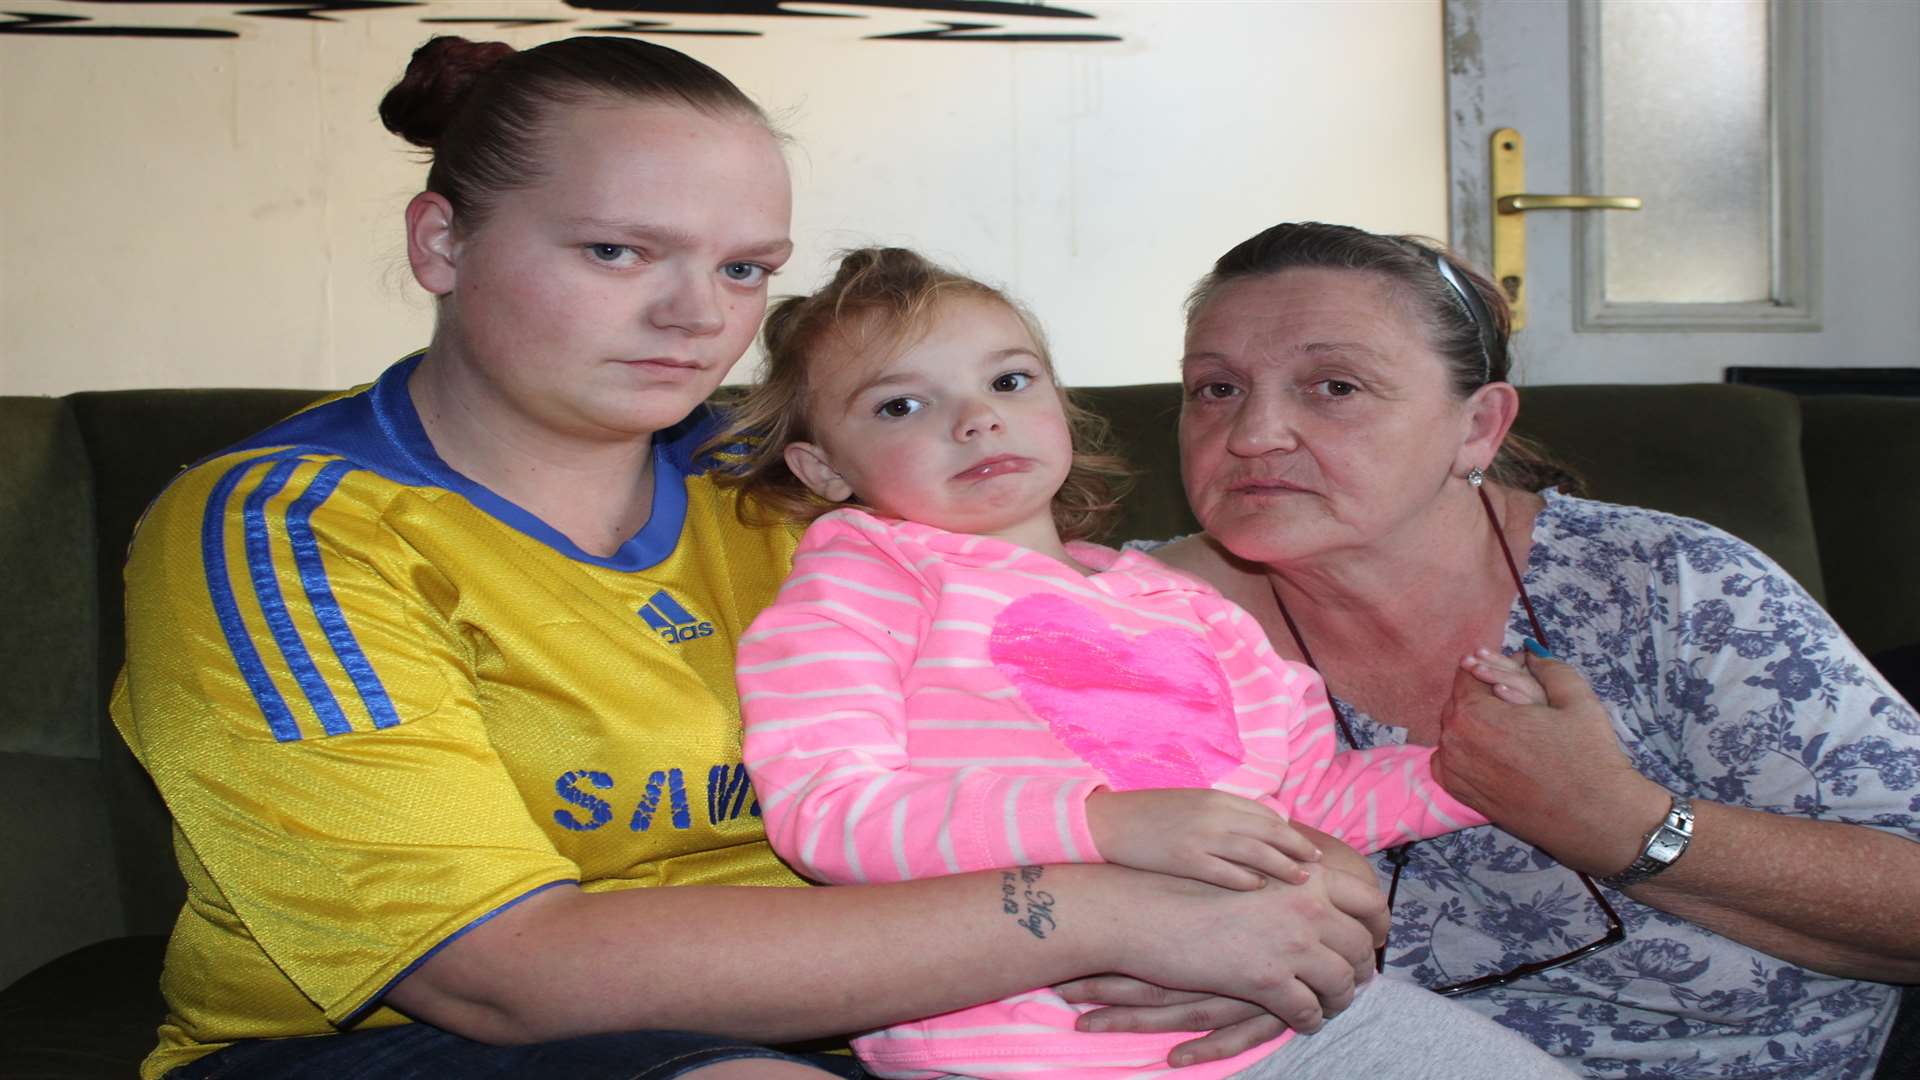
{"x": 1511, "y": 63}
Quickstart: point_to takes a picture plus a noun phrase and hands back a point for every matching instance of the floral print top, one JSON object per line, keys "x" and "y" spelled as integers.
{"x": 1728, "y": 683}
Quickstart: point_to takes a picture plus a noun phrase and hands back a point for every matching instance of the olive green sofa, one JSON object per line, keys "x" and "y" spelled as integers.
{"x": 89, "y": 888}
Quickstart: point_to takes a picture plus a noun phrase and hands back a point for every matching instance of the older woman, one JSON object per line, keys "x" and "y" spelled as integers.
{"x": 1696, "y": 832}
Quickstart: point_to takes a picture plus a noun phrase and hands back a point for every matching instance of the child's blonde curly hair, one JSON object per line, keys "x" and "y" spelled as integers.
{"x": 881, "y": 299}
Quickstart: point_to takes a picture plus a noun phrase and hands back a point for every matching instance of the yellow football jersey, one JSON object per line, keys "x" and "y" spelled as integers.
{"x": 384, "y": 703}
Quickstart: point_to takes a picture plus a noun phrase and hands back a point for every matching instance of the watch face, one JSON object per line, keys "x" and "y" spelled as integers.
{"x": 1666, "y": 845}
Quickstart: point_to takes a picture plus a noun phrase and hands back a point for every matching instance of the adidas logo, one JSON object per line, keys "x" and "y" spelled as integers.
{"x": 674, "y": 623}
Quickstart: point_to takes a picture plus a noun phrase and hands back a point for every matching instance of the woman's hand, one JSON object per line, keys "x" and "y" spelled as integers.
{"x": 1298, "y": 951}
{"x": 1233, "y": 1025}
{"x": 1809, "y": 892}
{"x": 1542, "y": 771}
{"x": 1211, "y": 836}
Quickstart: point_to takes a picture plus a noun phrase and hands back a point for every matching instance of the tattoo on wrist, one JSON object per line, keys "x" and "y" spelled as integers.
{"x": 1022, "y": 898}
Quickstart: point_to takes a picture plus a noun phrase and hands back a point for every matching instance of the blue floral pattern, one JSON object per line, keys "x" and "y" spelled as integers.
{"x": 1726, "y": 682}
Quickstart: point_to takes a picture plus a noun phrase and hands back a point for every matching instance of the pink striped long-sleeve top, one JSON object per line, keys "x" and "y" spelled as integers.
{"x": 920, "y": 702}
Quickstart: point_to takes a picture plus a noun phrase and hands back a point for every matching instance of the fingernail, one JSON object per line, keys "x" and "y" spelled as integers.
{"x": 1536, "y": 648}
{"x": 1092, "y": 1024}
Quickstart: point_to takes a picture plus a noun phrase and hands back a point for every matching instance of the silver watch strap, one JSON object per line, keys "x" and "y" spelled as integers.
{"x": 1664, "y": 846}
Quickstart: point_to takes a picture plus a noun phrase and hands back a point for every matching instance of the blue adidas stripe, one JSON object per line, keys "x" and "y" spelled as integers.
{"x": 266, "y": 587}
{"x": 213, "y": 553}
{"x": 326, "y": 609}
{"x": 671, "y": 608}
{"x": 654, "y": 618}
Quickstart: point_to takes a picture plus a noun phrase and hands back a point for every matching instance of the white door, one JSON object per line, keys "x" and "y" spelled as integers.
{"x": 1519, "y": 64}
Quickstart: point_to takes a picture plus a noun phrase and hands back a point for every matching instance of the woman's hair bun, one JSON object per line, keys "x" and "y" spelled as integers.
{"x": 438, "y": 80}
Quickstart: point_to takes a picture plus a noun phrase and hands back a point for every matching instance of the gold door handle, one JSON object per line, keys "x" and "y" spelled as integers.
{"x": 1510, "y": 200}
{"x": 1514, "y": 204}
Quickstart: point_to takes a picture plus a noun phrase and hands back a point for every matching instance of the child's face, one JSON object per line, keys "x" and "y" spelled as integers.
{"x": 962, "y": 430}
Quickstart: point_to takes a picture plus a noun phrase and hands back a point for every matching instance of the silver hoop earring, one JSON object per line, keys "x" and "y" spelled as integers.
{"x": 1475, "y": 477}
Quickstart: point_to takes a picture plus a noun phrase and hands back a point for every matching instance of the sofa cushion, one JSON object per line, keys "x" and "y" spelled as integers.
{"x": 92, "y": 1014}
{"x": 46, "y": 545}
{"x": 1145, "y": 426}
{"x": 62, "y": 887}
{"x": 1861, "y": 454}
{"x": 1728, "y": 455}
{"x": 62, "y": 890}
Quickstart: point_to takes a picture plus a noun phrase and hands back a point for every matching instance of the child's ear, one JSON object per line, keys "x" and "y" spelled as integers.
{"x": 810, "y": 464}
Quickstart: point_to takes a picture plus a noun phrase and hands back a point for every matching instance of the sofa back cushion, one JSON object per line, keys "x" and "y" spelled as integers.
{"x": 1861, "y": 454}
{"x": 46, "y": 546}
{"x": 1728, "y": 455}
{"x": 1144, "y": 423}
{"x": 61, "y": 887}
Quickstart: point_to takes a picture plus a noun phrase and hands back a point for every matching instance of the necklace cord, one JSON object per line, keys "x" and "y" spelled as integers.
{"x": 1513, "y": 568}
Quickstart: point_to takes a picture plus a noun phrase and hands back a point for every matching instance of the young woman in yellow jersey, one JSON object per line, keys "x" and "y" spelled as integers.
{"x": 436, "y": 677}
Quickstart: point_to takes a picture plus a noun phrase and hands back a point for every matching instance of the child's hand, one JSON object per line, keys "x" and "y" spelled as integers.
{"x": 1507, "y": 675}
{"x": 1209, "y": 836}
{"x": 1337, "y": 854}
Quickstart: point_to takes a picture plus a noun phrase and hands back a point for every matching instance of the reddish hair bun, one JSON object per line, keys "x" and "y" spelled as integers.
{"x": 439, "y": 77}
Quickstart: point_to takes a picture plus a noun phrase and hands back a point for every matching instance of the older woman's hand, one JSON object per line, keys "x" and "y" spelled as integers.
{"x": 1553, "y": 774}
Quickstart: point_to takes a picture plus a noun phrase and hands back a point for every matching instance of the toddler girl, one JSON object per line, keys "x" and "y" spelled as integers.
{"x": 951, "y": 681}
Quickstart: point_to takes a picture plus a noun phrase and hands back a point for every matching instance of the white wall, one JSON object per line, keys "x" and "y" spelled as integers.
{"x": 183, "y": 212}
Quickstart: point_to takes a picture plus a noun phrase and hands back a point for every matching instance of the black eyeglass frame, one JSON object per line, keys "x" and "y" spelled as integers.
{"x": 1616, "y": 933}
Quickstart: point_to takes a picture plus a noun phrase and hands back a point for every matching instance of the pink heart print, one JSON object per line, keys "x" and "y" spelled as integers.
{"x": 1153, "y": 711}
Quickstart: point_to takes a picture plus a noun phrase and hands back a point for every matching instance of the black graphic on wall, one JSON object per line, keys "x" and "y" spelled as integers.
{"x": 80, "y": 26}
{"x": 1002, "y": 8}
{"x": 953, "y": 31}
{"x": 1012, "y": 22}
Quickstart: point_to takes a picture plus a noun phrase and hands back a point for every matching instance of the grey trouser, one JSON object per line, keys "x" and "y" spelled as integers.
{"x": 1397, "y": 1031}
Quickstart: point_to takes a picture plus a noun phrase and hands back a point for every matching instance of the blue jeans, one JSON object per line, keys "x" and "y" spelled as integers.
{"x": 426, "y": 1052}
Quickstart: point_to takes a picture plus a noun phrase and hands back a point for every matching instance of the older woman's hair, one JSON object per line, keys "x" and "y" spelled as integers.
{"x": 882, "y": 300}
{"x": 1467, "y": 318}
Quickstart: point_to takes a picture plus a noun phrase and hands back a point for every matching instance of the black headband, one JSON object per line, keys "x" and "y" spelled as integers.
{"x": 1477, "y": 313}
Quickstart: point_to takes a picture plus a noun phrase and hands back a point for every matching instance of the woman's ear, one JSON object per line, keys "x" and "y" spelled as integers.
{"x": 809, "y": 463}
{"x": 1489, "y": 415}
{"x": 432, "y": 249}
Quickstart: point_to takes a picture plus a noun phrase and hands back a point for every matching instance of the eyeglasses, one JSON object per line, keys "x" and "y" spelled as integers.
{"x": 1616, "y": 931}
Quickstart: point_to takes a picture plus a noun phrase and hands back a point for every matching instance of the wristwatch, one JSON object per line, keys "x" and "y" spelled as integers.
{"x": 1664, "y": 846}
